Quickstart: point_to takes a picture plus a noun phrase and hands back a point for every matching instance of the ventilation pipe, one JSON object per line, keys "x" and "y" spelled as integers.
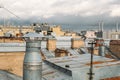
{"x": 101, "y": 51}
{"x": 32, "y": 66}
{"x": 101, "y": 47}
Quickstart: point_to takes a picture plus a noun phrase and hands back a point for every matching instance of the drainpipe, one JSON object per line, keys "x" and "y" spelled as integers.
{"x": 32, "y": 67}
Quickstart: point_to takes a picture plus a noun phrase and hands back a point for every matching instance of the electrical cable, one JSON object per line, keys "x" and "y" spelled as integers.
{"x": 11, "y": 12}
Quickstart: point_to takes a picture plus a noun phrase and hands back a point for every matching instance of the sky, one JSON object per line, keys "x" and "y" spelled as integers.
{"x": 62, "y": 11}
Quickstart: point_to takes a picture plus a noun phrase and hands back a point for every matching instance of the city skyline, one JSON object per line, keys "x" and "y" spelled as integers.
{"x": 62, "y": 11}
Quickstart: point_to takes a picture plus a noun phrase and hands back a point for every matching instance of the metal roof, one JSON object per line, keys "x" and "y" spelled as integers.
{"x": 79, "y": 66}
{"x": 33, "y": 34}
{"x": 64, "y": 38}
{"x": 73, "y": 52}
{"x": 4, "y": 75}
{"x": 50, "y": 73}
{"x": 74, "y": 68}
{"x": 47, "y": 53}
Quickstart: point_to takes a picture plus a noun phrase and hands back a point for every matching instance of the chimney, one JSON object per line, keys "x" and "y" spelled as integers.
{"x": 76, "y": 43}
{"x": 51, "y": 44}
{"x": 32, "y": 66}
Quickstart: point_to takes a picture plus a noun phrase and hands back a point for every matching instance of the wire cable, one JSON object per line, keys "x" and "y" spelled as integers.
{"x": 11, "y": 12}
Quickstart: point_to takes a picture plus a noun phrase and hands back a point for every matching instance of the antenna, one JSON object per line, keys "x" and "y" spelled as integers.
{"x": 11, "y": 12}
{"x": 1, "y": 6}
{"x": 91, "y": 61}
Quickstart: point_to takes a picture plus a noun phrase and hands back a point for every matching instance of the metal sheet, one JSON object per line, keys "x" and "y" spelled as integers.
{"x": 80, "y": 65}
{"x": 50, "y": 73}
{"x": 33, "y": 34}
{"x": 63, "y": 44}
{"x": 17, "y": 47}
{"x": 73, "y": 52}
{"x": 47, "y": 53}
{"x": 4, "y": 75}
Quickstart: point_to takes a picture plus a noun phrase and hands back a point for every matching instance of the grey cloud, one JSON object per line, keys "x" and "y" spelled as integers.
{"x": 67, "y": 3}
{"x": 64, "y": 11}
{"x": 115, "y": 2}
{"x": 70, "y": 20}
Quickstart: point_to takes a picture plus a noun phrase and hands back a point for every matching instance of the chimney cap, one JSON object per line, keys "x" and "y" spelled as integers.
{"x": 33, "y": 36}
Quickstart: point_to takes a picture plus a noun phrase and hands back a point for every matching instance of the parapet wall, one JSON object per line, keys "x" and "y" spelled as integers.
{"x": 12, "y": 62}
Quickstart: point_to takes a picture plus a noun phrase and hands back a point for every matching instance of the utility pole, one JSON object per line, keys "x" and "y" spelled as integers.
{"x": 91, "y": 61}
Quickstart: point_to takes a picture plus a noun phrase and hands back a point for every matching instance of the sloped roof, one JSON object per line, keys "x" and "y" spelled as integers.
{"x": 33, "y": 34}
{"x": 77, "y": 67}
{"x": 4, "y": 75}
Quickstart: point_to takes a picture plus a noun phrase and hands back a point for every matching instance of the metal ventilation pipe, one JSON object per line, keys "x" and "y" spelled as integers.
{"x": 101, "y": 51}
{"x": 32, "y": 67}
{"x": 101, "y": 48}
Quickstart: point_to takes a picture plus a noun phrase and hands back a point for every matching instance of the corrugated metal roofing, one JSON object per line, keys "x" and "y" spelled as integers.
{"x": 83, "y": 50}
{"x": 63, "y": 42}
{"x": 50, "y": 73}
{"x": 80, "y": 65}
{"x": 12, "y": 44}
{"x": 13, "y": 47}
{"x": 78, "y": 68}
{"x": 47, "y": 54}
{"x": 73, "y": 52}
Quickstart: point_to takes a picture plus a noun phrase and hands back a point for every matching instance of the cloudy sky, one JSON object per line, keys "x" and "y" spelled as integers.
{"x": 62, "y": 11}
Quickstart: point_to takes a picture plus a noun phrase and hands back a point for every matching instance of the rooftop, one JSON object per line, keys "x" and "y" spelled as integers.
{"x": 77, "y": 68}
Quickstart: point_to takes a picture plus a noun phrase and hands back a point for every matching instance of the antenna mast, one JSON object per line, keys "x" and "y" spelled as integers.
{"x": 91, "y": 61}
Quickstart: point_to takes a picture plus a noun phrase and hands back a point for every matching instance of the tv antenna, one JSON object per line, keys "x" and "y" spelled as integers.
{"x": 91, "y": 60}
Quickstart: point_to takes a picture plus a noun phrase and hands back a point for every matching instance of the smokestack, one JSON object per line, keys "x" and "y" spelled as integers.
{"x": 116, "y": 27}
{"x": 32, "y": 67}
{"x": 102, "y": 26}
{"x": 99, "y": 27}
